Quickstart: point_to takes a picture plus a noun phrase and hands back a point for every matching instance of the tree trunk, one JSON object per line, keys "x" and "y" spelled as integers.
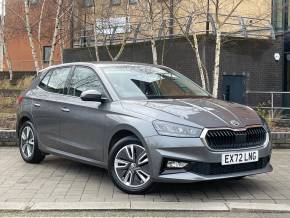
{"x": 154, "y": 50}
{"x": 39, "y": 29}
{"x": 56, "y": 30}
{"x": 95, "y": 33}
{"x": 203, "y": 74}
{"x": 8, "y": 60}
{"x": 96, "y": 43}
{"x": 152, "y": 33}
{"x": 30, "y": 36}
{"x": 216, "y": 73}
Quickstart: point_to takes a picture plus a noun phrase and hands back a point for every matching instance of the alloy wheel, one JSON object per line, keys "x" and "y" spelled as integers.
{"x": 131, "y": 166}
{"x": 27, "y": 142}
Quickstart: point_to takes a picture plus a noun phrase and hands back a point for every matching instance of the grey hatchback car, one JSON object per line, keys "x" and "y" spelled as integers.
{"x": 144, "y": 123}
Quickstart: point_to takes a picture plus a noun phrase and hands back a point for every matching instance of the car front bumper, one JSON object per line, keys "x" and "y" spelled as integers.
{"x": 206, "y": 162}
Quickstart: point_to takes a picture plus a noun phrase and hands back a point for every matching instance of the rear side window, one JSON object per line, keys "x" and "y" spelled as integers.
{"x": 84, "y": 79}
{"x": 55, "y": 80}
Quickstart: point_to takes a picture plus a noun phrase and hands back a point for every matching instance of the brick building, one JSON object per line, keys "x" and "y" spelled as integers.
{"x": 17, "y": 41}
{"x": 250, "y": 52}
{"x": 249, "y": 45}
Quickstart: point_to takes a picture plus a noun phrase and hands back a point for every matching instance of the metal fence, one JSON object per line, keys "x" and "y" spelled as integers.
{"x": 110, "y": 31}
{"x": 274, "y": 104}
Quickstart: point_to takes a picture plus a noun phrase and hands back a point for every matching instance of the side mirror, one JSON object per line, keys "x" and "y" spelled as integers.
{"x": 92, "y": 95}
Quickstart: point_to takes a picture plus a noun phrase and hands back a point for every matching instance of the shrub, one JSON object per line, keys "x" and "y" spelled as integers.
{"x": 20, "y": 84}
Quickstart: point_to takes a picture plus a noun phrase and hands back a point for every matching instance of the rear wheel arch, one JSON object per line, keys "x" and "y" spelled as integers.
{"x": 21, "y": 121}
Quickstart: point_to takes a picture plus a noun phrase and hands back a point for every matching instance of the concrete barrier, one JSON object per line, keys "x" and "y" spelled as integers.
{"x": 7, "y": 138}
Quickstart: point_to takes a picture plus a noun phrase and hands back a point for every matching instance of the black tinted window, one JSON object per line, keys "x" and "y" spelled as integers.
{"x": 55, "y": 80}
{"x": 84, "y": 79}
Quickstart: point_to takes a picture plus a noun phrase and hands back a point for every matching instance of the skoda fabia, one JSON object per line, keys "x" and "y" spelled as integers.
{"x": 144, "y": 123}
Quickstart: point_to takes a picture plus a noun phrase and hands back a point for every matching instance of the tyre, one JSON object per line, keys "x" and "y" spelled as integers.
{"x": 28, "y": 144}
{"x": 129, "y": 166}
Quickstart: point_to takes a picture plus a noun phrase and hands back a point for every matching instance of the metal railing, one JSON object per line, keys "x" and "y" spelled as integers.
{"x": 271, "y": 101}
{"x": 139, "y": 31}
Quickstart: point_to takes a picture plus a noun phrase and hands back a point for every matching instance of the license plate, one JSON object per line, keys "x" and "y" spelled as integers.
{"x": 240, "y": 157}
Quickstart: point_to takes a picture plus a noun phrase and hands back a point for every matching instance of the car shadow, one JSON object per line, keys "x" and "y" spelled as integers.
{"x": 208, "y": 189}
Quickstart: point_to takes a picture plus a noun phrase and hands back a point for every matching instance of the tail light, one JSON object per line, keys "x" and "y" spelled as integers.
{"x": 20, "y": 99}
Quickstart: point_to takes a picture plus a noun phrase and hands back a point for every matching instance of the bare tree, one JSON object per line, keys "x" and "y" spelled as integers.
{"x": 95, "y": 32}
{"x": 30, "y": 35}
{"x": 151, "y": 13}
{"x": 219, "y": 23}
{"x": 5, "y": 51}
{"x": 40, "y": 27}
{"x": 110, "y": 30}
{"x": 190, "y": 35}
{"x": 198, "y": 8}
{"x": 56, "y": 31}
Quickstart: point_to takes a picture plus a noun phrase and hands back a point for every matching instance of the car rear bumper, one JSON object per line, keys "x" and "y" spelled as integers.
{"x": 203, "y": 163}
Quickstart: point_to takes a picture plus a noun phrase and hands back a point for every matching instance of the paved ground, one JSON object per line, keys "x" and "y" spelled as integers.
{"x": 144, "y": 214}
{"x": 60, "y": 180}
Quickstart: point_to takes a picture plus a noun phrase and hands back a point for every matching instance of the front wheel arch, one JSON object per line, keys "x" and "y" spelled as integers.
{"x": 119, "y": 133}
{"x": 117, "y": 147}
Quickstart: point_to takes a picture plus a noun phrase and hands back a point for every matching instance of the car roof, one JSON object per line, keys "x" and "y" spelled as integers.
{"x": 101, "y": 64}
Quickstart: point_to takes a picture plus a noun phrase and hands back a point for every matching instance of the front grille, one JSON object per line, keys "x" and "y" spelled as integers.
{"x": 218, "y": 169}
{"x": 228, "y": 139}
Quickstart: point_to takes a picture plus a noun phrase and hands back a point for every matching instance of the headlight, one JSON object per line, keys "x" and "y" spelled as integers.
{"x": 172, "y": 129}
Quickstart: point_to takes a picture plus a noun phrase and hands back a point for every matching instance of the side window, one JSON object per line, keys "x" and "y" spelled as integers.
{"x": 84, "y": 79}
{"x": 55, "y": 80}
{"x": 44, "y": 82}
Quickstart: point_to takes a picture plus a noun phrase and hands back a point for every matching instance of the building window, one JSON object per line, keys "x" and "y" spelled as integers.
{"x": 280, "y": 15}
{"x": 113, "y": 25}
{"x": 88, "y": 3}
{"x": 278, "y": 11}
{"x": 115, "y": 2}
{"x": 46, "y": 54}
{"x": 34, "y": 2}
{"x": 132, "y": 2}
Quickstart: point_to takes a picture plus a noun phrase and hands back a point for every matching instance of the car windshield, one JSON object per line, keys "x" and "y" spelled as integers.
{"x": 147, "y": 82}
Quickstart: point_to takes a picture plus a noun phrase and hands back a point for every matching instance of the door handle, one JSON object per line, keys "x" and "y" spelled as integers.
{"x": 36, "y": 105}
{"x": 64, "y": 109}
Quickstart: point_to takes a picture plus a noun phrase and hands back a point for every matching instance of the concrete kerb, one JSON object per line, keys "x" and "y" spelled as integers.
{"x": 259, "y": 207}
{"x": 145, "y": 206}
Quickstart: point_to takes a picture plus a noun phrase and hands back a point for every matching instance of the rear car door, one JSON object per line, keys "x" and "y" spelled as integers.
{"x": 82, "y": 122}
{"x": 46, "y": 106}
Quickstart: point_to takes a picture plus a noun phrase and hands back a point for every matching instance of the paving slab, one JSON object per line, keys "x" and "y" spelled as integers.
{"x": 57, "y": 181}
{"x": 63, "y": 206}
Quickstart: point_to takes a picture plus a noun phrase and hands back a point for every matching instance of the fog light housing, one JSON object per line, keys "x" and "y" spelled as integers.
{"x": 175, "y": 164}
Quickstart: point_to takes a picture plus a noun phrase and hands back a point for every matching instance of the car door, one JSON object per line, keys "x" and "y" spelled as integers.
{"x": 46, "y": 103}
{"x": 82, "y": 122}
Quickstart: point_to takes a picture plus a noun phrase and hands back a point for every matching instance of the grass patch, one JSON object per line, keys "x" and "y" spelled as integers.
{"x": 20, "y": 84}
{"x": 7, "y": 112}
